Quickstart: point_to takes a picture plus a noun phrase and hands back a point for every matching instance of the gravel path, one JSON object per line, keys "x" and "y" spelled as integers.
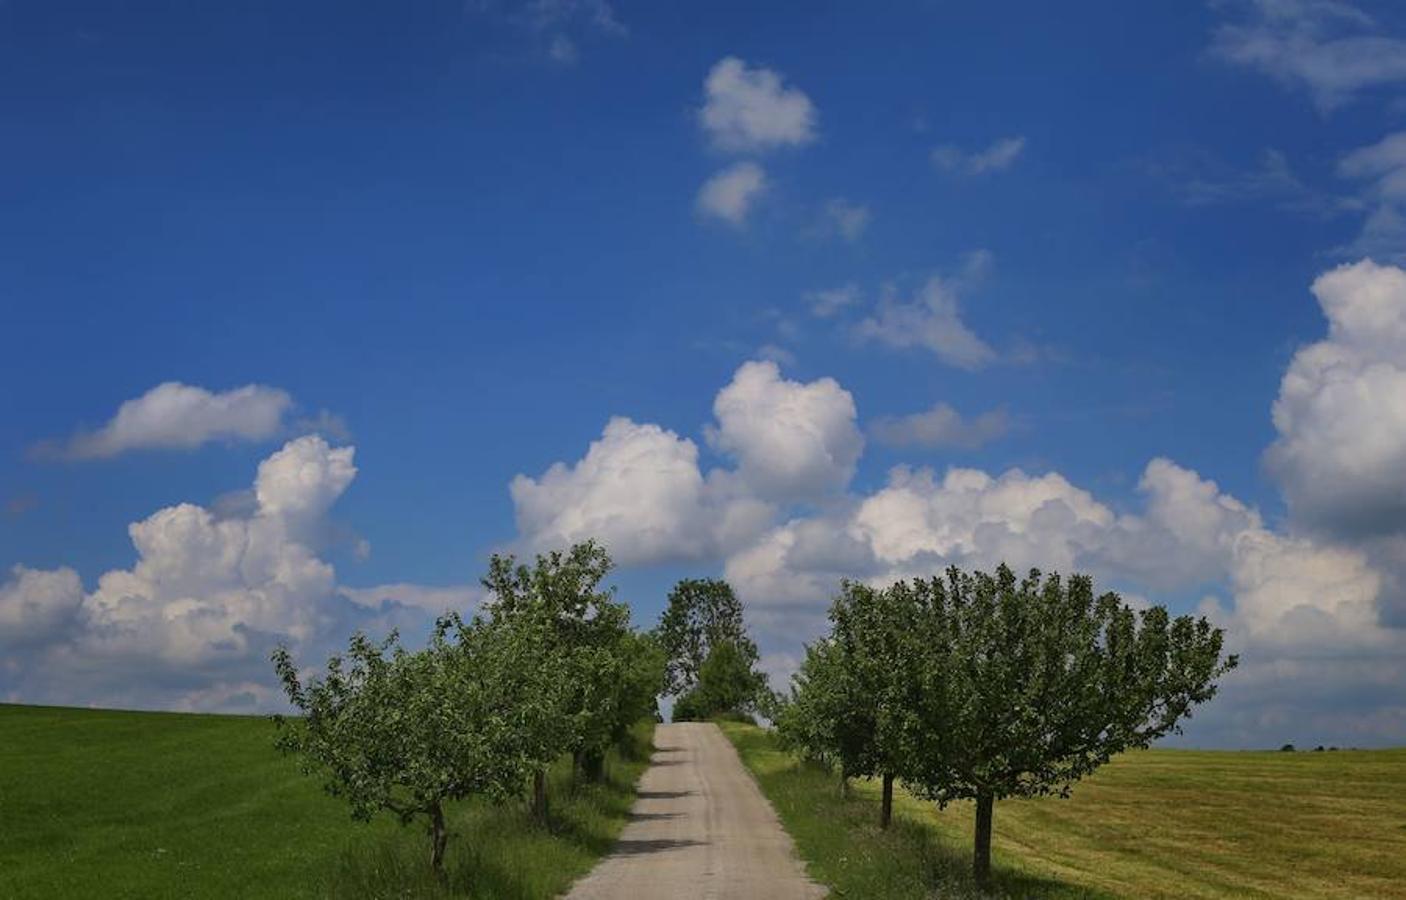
{"x": 700, "y": 828}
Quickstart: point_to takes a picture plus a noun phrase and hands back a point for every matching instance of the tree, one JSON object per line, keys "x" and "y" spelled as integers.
{"x": 1024, "y": 687}
{"x": 871, "y": 633}
{"x": 702, "y": 613}
{"x": 586, "y": 631}
{"x": 726, "y": 684}
{"x": 827, "y": 719}
{"x": 849, "y": 701}
{"x": 642, "y": 683}
{"x": 406, "y": 732}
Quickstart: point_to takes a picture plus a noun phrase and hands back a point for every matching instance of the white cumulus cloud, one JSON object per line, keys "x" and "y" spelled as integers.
{"x": 35, "y": 604}
{"x": 1341, "y": 411}
{"x": 792, "y": 441}
{"x": 640, "y": 489}
{"x": 191, "y": 623}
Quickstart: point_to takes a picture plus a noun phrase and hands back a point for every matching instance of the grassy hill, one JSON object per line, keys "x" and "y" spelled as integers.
{"x": 123, "y": 804}
{"x": 1156, "y": 823}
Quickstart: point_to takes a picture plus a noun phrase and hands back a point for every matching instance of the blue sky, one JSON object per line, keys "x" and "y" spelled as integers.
{"x": 460, "y": 238}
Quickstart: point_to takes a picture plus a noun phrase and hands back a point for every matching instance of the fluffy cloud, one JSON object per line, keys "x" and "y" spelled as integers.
{"x": 932, "y": 320}
{"x": 1331, "y": 48}
{"x": 300, "y": 483}
{"x": 1000, "y": 155}
{"x": 792, "y": 441}
{"x": 181, "y": 416}
{"x": 750, "y": 109}
{"x": 35, "y": 605}
{"x": 1341, "y": 410}
{"x": 640, "y": 489}
{"x": 942, "y": 426}
{"x": 203, "y": 589}
{"x": 730, "y": 193}
{"x": 1298, "y": 605}
{"x": 193, "y": 620}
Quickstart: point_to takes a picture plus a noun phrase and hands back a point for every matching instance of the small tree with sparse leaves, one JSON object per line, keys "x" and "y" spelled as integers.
{"x": 407, "y": 732}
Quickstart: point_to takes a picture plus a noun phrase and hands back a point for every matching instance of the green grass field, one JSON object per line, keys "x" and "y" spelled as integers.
{"x": 1156, "y": 823}
{"x": 123, "y": 804}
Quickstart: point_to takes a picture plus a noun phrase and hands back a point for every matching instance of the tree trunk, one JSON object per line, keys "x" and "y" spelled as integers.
{"x": 438, "y": 838}
{"x": 981, "y": 854}
{"x": 593, "y": 765}
{"x": 539, "y": 795}
{"x": 844, "y": 784}
{"x": 886, "y": 811}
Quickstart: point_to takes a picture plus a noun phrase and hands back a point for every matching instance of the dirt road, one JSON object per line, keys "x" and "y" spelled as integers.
{"x": 700, "y": 829}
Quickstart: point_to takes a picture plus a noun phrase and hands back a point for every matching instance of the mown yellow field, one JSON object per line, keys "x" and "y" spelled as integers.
{"x": 1178, "y": 823}
{"x": 1182, "y": 823}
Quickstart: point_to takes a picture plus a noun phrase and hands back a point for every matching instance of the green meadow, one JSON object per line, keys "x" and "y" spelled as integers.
{"x": 1154, "y": 823}
{"x": 123, "y": 804}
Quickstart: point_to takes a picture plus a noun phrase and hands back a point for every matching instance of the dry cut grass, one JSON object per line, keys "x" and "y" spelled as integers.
{"x": 1155, "y": 823}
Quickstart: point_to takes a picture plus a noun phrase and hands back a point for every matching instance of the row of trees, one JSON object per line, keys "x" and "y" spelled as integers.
{"x": 984, "y": 686}
{"x": 550, "y": 667}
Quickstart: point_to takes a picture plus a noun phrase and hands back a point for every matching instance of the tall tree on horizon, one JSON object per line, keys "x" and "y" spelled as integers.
{"x": 702, "y": 613}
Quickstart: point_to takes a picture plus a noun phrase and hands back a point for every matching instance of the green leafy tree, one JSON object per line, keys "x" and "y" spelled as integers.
{"x": 727, "y": 684}
{"x": 1022, "y": 687}
{"x": 702, "y": 612}
{"x": 404, "y": 732}
{"x": 642, "y": 683}
{"x": 871, "y": 631}
{"x": 826, "y": 718}
{"x": 586, "y": 634}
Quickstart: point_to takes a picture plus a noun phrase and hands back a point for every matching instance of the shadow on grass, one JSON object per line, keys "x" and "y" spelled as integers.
{"x": 501, "y": 851}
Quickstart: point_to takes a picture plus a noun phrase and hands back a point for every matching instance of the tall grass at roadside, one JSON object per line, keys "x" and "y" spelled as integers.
{"x": 499, "y": 852}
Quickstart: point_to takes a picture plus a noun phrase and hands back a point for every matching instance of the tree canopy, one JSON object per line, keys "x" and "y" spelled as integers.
{"x": 388, "y": 729}
{"x": 608, "y": 673}
{"x": 701, "y": 613}
{"x": 982, "y": 686}
{"x": 551, "y": 667}
{"x": 849, "y": 705}
{"x": 726, "y": 684}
